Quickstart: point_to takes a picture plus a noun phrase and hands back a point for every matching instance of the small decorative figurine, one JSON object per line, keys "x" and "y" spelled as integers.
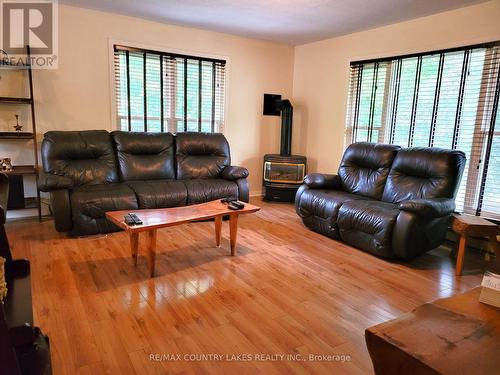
{"x": 17, "y": 126}
{"x": 5, "y": 165}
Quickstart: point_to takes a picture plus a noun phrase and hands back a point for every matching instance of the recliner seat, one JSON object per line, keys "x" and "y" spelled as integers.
{"x": 391, "y": 202}
{"x": 91, "y": 172}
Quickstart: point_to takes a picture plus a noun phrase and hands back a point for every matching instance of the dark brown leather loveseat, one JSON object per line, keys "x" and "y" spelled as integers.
{"x": 389, "y": 201}
{"x": 90, "y": 172}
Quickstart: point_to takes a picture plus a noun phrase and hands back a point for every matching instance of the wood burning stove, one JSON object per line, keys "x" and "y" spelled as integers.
{"x": 283, "y": 173}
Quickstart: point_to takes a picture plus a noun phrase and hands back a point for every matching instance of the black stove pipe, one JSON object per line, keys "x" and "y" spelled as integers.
{"x": 286, "y": 126}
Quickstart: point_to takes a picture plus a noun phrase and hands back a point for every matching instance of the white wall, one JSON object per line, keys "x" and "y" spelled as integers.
{"x": 77, "y": 96}
{"x": 321, "y": 71}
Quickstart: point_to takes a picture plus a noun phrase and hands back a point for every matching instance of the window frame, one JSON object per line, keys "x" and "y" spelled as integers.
{"x": 115, "y": 125}
{"x": 476, "y": 174}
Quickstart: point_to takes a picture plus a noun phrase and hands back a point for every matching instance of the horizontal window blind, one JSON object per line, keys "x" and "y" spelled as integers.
{"x": 162, "y": 92}
{"x": 445, "y": 99}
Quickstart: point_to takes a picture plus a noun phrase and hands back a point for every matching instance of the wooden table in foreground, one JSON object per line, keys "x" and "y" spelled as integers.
{"x": 154, "y": 219}
{"x": 456, "y": 335}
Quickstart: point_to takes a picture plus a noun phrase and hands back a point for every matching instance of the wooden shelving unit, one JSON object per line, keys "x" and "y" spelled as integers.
{"x": 16, "y": 135}
{"x": 22, "y": 170}
{"x": 11, "y": 100}
{"x": 26, "y": 136}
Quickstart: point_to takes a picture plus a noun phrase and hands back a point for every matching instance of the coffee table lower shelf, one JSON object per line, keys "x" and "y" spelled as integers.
{"x": 154, "y": 219}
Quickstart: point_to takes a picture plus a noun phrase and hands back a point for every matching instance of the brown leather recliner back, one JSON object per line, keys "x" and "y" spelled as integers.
{"x": 424, "y": 172}
{"x": 86, "y": 157}
{"x": 201, "y": 155}
{"x": 364, "y": 168}
{"x": 145, "y": 156}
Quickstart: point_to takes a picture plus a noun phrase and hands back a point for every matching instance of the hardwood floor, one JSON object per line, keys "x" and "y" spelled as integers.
{"x": 288, "y": 291}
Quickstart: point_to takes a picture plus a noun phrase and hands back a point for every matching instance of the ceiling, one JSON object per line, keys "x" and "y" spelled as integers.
{"x": 287, "y": 21}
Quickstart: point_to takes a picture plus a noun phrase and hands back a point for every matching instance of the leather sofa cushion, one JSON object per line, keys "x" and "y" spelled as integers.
{"x": 201, "y": 155}
{"x": 144, "y": 156}
{"x": 87, "y": 157}
{"x": 324, "y": 205}
{"x": 205, "y": 190}
{"x": 368, "y": 225}
{"x": 424, "y": 172}
{"x": 365, "y": 166}
{"x": 89, "y": 203}
{"x": 159, "y": 193}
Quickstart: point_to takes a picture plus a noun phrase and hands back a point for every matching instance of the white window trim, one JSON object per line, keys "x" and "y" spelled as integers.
{"x": 166, "y": 49}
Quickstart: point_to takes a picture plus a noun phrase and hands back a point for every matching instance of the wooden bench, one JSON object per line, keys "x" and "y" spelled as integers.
{"x": 473, "y": 226}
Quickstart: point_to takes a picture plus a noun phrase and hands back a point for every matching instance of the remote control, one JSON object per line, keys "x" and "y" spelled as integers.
{"x": 235, "y": 205}
{"x": 238, "y": 204}
{"x": 227, "y": 200}
{"x": 128, "y": 220}
{"x": 135, "y": 218}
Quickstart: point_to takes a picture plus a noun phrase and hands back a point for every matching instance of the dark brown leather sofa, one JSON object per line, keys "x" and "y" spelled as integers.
{"x": 90, "y": 172}
{"x": 389, "y": 201}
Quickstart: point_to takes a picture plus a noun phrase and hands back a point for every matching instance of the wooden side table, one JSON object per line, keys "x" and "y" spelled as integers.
{"x": 456, "y": 335}
{"x": 473, "y": 226}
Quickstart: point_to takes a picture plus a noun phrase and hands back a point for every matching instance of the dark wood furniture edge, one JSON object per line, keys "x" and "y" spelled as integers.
{"x": 382, "y": 346}
{"x": 402, "y": 362}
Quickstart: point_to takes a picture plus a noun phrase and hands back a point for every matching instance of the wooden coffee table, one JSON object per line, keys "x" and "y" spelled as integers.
{"x": 154, "y": 219}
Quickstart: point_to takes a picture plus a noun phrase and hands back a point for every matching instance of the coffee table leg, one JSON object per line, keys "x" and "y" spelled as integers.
{"x": 218, "y": 227}
{"x": 134, "y": 246}
{"x": 462, "y": 244}
{"x": 233, "y": 231}
{"x": 152, "y": 251}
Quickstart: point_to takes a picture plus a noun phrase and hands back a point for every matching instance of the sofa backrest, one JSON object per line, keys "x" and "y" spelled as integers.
{"x": 201, "y": 155}
{"x": 424, "y": 172}
{"x": 365, "y": 166}
{"x": 87, "y": 157}
{"x": 144, "y": 156}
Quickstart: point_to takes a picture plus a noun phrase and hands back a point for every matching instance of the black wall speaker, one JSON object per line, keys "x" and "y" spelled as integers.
{"x": 270, "y": 106}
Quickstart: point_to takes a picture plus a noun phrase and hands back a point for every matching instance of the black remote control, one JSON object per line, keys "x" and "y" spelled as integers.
{"x": 227, "y": 200}
{"x": 135, "y": 218}
{"x": 238, "y": 204}
{"x": 128, "y": 220}
{"x": 235, "y": 205}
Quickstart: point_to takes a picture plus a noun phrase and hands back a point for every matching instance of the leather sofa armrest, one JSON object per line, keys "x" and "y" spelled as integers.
{"x": 322, "y": 181}
{"x": 50, "y": 182}
{"x": 233, "y": 173}
{"x": 432, "y": 208}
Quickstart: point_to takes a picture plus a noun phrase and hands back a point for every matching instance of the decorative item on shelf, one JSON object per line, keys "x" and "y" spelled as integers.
{"x": 5, "y": 165}
{"x": 3, "y": 284}
{"x": 17, "y": 126}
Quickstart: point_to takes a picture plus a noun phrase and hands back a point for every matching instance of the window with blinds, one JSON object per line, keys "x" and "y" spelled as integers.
{"x": 167, "y": 92}
{"x": 445, "y": 99}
